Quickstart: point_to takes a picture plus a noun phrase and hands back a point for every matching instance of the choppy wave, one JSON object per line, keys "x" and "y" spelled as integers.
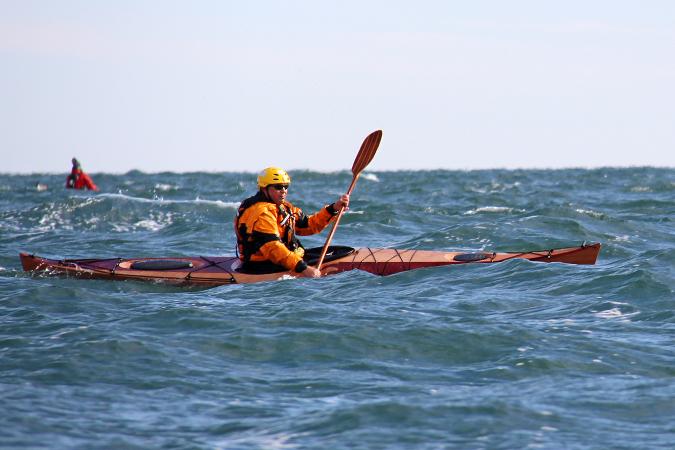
{"x": 491, "y": 209}
{"x": 162, "y": 200}
{"x": 514, "y": 355}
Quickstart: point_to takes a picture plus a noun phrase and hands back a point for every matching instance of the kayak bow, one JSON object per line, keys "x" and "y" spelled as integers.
{"x": 215, "y": 271}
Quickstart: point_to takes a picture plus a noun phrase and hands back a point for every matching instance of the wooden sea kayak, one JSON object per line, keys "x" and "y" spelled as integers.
{"x": 219, "y": 270}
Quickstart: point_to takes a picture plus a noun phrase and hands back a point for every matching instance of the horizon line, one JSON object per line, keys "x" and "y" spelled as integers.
{"x": 633, "y": 166}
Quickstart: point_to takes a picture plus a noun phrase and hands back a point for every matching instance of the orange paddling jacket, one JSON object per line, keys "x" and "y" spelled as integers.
{"x": 267, "y": 232}
{"x": 80, "y": 180}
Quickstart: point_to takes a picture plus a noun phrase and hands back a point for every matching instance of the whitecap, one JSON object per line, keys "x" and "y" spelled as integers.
{"x": 128, "y": 197}
{"x": 490, "y": 209}
{"x": 590, "y": 212}
{"x": 613, "y": 313}
{"x": 161, "y": 200}
{"x": 150, "y": 225}
{"x": 119, "y": 228}
{"x": 219, "y": 203}
{"x": 164, "y": 187}
{"x": 53, "y": 219}
{"x": 494, "y": 188}
{"x": 370, "y": 177}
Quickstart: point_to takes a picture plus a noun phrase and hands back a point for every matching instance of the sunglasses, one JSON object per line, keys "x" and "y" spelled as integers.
{"x": 279, "y": 187}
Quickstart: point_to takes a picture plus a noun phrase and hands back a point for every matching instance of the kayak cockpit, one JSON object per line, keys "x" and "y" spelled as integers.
{"x": 311, "y": 257}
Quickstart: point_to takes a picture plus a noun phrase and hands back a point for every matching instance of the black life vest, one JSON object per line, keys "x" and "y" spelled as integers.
{"x": 249, "y": 243}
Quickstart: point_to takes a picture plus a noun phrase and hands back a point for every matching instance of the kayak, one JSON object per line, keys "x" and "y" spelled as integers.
{"x": 219, "y": 270}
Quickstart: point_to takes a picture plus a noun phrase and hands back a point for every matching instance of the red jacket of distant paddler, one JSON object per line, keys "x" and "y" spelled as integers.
{"x": 78, "y": 179}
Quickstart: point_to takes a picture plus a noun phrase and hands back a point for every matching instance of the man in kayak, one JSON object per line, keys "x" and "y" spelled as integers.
{"x": 78, "y": 179}
{"x": 266, "y": 226}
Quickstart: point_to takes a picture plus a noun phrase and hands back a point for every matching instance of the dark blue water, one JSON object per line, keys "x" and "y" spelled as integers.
{"x": 514, "y": 355}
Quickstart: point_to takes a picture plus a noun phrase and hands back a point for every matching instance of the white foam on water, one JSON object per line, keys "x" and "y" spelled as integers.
{"x": 162, "y": 201}
{"x": 219, "y": 203}
{"x": 150, "y": 225}
{"x": 287, "y": 277}
{"x": 590, "y": 212}
{"x": 370, "y": 177}
{"x": 54, "y": 218}
{"x": 614, "y": 313}
{"x": 494, "y": 187}
{"x": 128, "y": 197}
{"x": 164, "y": 187}
{"x": 490, "y": 209}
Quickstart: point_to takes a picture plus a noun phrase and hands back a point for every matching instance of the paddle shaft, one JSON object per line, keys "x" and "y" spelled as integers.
{"x": 363, "y": 158}
{"x": 335, "y": 224}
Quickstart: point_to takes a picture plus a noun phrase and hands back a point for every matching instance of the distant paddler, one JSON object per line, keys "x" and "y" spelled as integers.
{"x": 78, "y": 179}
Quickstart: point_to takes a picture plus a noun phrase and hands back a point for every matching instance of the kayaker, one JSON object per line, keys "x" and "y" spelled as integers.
{"x": 266, "y": 225}
{"x": 78, "y": 179}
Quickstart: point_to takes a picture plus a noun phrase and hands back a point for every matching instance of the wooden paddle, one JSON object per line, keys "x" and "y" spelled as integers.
{"x": 363, "y": 158}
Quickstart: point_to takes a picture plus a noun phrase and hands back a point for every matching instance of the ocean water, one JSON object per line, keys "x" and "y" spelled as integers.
{"x": 507, "y": 356}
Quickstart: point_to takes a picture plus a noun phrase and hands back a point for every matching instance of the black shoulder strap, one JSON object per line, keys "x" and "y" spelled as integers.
{"x": 259, "y": 197}
{"x": 242, "y": 236}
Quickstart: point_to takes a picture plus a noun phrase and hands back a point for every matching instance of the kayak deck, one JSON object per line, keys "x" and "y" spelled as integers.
{"x": 214, "y": 271}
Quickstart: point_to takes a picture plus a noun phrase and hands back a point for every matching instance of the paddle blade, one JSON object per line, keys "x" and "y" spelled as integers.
{"x": 367, "y": 151}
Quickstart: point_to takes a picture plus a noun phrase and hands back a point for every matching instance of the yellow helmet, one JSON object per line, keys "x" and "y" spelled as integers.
{"x": 273, "y": 175}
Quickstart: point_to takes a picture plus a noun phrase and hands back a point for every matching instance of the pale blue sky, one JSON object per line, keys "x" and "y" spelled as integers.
{"x": 239, "y": 85}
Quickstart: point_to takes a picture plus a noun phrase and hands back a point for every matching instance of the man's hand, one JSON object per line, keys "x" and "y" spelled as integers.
{"x": 342, "y": 201}
{"x": 311, "y": 272}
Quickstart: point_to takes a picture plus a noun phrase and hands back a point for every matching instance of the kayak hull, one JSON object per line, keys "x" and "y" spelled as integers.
{"x": 215, "y": 271}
